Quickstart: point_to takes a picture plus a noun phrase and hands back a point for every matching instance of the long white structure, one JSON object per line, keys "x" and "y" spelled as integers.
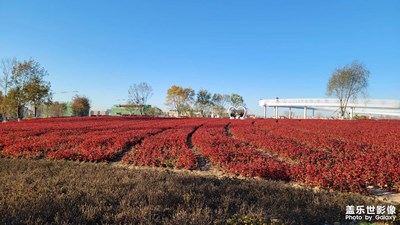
{"x": 362, "y": 106}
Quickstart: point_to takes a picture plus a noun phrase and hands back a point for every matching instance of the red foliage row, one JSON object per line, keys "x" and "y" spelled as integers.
{"x": 341, "y": 155}
{"x": 235, "y": 156}
{"x": 166, "y": 149}
{"x": 325, "y": 157}
{"x": 77, "y": 139}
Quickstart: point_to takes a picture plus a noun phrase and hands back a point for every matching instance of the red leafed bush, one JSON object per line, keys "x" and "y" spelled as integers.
{"x": 86, "y": 139}
{"x": 235, "y": 156}
{"x": 166, "y": 149}
{"x": 339, "y": 155}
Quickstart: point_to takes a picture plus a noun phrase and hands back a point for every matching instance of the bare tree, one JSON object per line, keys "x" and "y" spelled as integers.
{"x": 139, "y": 94}
{"x": 7, "y": 65}
{"x": 348, "y": 83}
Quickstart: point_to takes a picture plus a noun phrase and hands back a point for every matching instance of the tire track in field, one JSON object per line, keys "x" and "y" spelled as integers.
{"x": 201, "y": 161}
{"x": 228, "y": 130}
{"x": 128, "y": 146}
{"x": 259, "y": 148}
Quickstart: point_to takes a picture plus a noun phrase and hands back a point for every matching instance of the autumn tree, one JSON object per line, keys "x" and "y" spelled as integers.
{"x": 139, "y": 94}
{"x": 80, "y": 106}
{"x": 204, "y": 102}
{"x": 37, "y": 92}
{"x": 57, "y": 109}
{"x": 10, "y": 106}
{"x": 27, "y": 80}
{"x": 180, "y": 99}
{"x": 348, "y": 83}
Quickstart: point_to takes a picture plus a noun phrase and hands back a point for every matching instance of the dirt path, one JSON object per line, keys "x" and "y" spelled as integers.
{"x": 228, "y": 130}
{"x": 201, "y": 161}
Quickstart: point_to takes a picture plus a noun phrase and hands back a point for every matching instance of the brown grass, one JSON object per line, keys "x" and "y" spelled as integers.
{"x": 65, "y": 192}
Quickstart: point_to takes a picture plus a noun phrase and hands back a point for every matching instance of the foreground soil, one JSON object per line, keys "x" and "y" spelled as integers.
{"x": 66, "y": 192}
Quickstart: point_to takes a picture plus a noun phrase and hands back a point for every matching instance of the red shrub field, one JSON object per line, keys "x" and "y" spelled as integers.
{"x": 332, "y": 154}
{"x": 167, "y": 149}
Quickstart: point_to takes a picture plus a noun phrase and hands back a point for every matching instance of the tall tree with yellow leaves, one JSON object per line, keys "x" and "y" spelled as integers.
{"x": 180, "y": 99}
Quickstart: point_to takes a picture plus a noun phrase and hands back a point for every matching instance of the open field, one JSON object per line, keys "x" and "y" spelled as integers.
{"x": 329, "y": 156}
{"x": 65, "y": 192}
{"x": 338, "y": 155}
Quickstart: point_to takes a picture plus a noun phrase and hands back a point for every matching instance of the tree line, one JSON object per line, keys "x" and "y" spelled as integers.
{"x": 23, "y": 87}
{"x": 185, "y": 101}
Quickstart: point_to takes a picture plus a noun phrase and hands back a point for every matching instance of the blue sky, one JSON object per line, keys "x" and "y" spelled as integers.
{"x": 259, "y": 49}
